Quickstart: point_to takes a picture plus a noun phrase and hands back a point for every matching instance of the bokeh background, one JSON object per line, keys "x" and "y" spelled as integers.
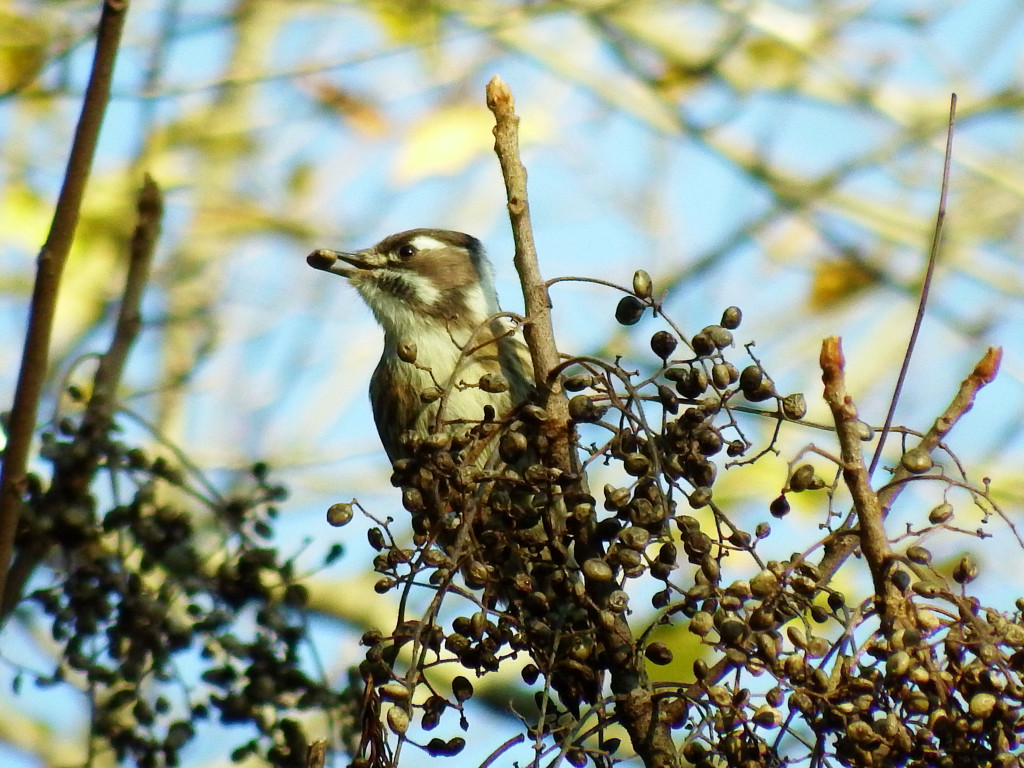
{"x": 785, "y": 157}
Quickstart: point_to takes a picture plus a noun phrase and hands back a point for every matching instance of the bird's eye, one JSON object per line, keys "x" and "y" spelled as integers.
{"x": 407, "y": 251}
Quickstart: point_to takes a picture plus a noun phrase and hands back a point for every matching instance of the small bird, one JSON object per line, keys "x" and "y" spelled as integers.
{"x": 450, "y": 359}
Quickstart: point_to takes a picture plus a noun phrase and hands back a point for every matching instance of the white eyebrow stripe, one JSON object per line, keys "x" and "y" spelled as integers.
{"x": 426, "y": 243}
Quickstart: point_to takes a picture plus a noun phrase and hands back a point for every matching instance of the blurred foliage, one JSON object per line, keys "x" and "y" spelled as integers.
{"x": 789, "y": 149}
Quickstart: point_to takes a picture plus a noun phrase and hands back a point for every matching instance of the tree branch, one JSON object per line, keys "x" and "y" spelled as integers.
{"x": 71, "y": 481}
{"x": 50, "y": 266}
{"x": 635, "y": 704}
{"x": 872, "y": 537}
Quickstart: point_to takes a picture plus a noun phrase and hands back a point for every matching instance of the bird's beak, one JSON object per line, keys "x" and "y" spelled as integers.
{"x": 344, "y": 264}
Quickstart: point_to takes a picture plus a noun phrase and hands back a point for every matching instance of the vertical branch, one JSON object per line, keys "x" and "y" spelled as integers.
{"x": 872, "y": 537}
{"x": 636, "y": 707}
{"x": 71, "y": 481}
{"x": 540, "y": 336}
{"x": 933, "y": 258}
{"x": 50, "y": 267}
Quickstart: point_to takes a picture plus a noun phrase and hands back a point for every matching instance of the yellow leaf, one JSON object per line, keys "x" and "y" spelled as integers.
{"x": 357, "y": 110}
{"x": 409, "y": 21}
{"x": 444, "y": 143}
{"x": 836, "y": 280}
{"x": 23, "y": 45}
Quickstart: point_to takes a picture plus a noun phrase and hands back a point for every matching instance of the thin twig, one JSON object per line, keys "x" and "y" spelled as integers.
{"x": 50, "y": 266}
{"x": 922, "y": 303}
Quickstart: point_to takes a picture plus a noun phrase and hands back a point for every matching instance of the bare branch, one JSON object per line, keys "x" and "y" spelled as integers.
{"x": 635, "y": 704}
{"x": 922, "y": 303}
{"x": 50, "y": 266}
{"x": 73, "y": 481}
{"x": 873, "y": 541}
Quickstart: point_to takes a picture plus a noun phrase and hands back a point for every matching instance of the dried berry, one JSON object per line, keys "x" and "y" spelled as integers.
{"x": 578, "y": 382}
{"x": 779, "y": 506}
{"x": 916, "y": 461}
{"x": 794, "y": 407}
{"x": 583, "y": 408}
{"x": 663, "y": 344}
{"x": 629, "y": 310}
{"x": 965, "y": 570}
{"x": 493, "y": 383}
{"x": 940, "y": 513}
{"x": 339, "y": 514}
{"x": 755, "y": 385}
{"x": 658, "y": 653}
{"x": 702, "y": 344}
{"x": 642, "y": 285}
{"x": 512, "y": 446}
{"x": 731, "y": 318}
{"x": 407, "y": 351}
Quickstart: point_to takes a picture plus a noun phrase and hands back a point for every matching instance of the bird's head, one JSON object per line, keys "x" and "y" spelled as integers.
{"x": 416, "y": 277}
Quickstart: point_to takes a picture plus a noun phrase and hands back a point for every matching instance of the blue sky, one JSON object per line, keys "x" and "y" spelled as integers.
{"x": 619, "y": 179}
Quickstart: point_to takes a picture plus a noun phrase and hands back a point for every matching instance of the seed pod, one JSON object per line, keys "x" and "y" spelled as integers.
{"x": 618, "y": 601}
{"x": 916, "y": 461}
{"x": 864, "y": 431}
{"x": 700, "y": 497}
{"x": 709, "y": 440}
{"x": 462, "y": 689}
{"x": 804, "y": 479}
{"x": 658, "y": 653}
{"x": 982, "y": 704}
{"x": 928, "y": 589}
{"x": 642, "y": 285}
{"x": 731, "y": 318}
{"x": 476, "y": 574}
{"x": 578, "y": 381}
{"x": 407, "y": 351}
{"x": 724, "y": 374}
{"x": 629, "y": 310}
{"x": 597, "y": 570}
{"x": 940, "y": 514}
{"x": 412, "y": 499}
{"x": 615, "y": 498}
{"x": 512, "y": 446}
{"x": 668, "y": 399}
{"x": 900, "y": 579}
{"x": 582, "y": 408}
{"x": 965, "y": 570}
{"x": 702, "y": 344}
{"x": 691, "y": 382}
{"x": 635, "y": 537}
{"x": 719, "y": 336}
{"x": 636, "y": 464}
{"x": 376, "y": 538}
{"x": 431, "y": 394}
{"x": 394, "y": 691}
{"x": 339, "y": 514}
{"x": 701, "y": 623}
{"x": 755, "y": 385}
{"x": 398, "y": 720}
{"x": 494, "y": 383}
{"x": 794, "y": 407}
{"x": 663, "y": 344}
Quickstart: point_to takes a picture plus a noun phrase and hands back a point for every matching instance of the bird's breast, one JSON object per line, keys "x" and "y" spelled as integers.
{"x": 397, "y": 386}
